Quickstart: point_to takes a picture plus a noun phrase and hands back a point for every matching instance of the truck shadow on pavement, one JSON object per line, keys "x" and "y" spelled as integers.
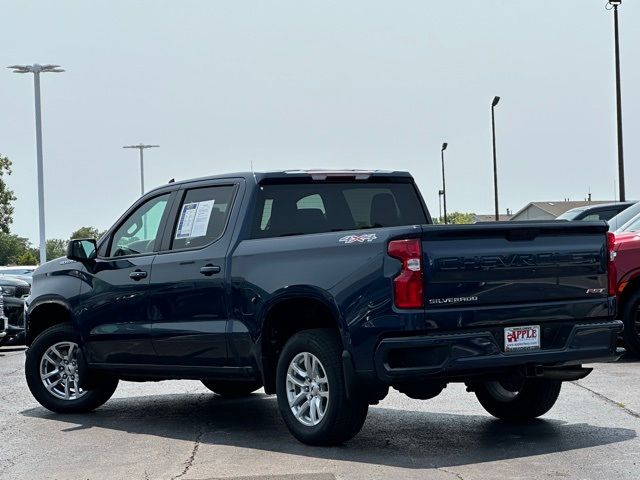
{"x": 400, "y": 438}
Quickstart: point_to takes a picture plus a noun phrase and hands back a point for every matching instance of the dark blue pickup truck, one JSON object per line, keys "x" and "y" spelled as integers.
{"x": 325, "y": 288}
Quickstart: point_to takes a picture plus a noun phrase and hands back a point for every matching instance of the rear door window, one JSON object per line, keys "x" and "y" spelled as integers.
{"x": 202, "y": 216}
{"x": 300, "y": 209}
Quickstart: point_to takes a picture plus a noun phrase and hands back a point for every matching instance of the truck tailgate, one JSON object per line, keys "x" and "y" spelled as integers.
{"x": 515, "y": 263}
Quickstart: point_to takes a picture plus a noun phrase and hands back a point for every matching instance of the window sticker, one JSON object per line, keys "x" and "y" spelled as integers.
{"x": 194, "y": 219}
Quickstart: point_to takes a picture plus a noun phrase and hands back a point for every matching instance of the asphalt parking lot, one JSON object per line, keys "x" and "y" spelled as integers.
{"x": 171, "y": 430}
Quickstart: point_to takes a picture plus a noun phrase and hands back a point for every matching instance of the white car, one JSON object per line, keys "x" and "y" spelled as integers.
{"x": 4, "y": 322}
{"x": 18, "y": 270}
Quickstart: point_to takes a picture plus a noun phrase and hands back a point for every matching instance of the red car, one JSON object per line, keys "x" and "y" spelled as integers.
{"x": 627, "y": 264}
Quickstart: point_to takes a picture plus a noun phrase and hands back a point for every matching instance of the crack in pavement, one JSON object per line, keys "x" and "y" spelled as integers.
{"x": 450, "y": 472}
{"x": 609, "y": 400}
{"x": 189, "y": 463}
{"x": 196, "y": 445}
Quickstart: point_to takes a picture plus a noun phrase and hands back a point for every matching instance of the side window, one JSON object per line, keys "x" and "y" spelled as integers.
{"x": 202, "y": 216}
{"x": 138, "y": 233}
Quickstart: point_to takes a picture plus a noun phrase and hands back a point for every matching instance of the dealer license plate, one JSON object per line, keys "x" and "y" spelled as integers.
{"x": 517, "y": 339}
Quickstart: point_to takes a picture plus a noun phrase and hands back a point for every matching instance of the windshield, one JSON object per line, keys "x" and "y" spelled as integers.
{"x": 571, "y": 214}
{"x": 632, "y": 226}
{"x": 619, "y": 221}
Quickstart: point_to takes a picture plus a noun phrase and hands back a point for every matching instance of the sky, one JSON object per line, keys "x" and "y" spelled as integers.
{"x": 300, "y": 84}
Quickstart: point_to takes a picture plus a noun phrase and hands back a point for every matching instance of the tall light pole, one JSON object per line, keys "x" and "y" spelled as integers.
{"x": 614, "y": 4}
{"x": 141, "y": 147}
{"x": 495, "y": 164}
{"x": 444, "y": 188}
{"x": 440, "y": 192}
{"x": 37, "y": 70}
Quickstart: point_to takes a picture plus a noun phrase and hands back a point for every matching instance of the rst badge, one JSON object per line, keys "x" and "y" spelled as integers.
{"x": 365, "y": 238}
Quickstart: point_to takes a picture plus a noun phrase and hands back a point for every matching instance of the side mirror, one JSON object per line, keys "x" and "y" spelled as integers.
{"x": 82, "y": 249}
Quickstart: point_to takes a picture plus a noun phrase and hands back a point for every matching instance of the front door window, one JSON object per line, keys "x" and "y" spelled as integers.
{"x": 138, "y": 234}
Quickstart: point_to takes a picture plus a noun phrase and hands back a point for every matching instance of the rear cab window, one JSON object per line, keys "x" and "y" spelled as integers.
{"x": 319, "y": 207}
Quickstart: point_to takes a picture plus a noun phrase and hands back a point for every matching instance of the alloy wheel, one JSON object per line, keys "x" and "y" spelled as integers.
{"x": 59, "y": 371}
{"x": 307, "y": 389}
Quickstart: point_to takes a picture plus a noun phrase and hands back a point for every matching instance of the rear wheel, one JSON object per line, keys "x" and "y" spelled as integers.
{"x": 631, "y": 320}
{"x": 51, "y": 370}
{"x": 311, "y": 390}
{"x": 524, "y": 399}
{"x": 231, "y": 389}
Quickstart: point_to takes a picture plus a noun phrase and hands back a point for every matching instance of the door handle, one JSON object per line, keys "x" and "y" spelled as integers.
{"x": 137, "y": 275}
{"x": 209, "y": 270}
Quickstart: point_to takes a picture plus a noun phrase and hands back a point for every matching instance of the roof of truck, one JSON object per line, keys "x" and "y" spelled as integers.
{"x": 314, "y": 174}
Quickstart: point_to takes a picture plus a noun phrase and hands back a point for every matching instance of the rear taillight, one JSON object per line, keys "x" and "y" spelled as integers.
{"x": 611, "y": 264}
{"x": 407, "y": 286}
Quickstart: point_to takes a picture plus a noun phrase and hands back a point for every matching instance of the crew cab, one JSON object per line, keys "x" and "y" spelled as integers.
{"x": 326, "y": 289}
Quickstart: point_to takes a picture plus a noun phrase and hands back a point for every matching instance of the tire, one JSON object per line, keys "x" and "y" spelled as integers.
{"x": 4, "y": 341}
{"x": 232, "y": 389}
{"x": 631, "y": 315}
{"x": 337, "y": 418}
{"x": 62, "y": 337}
{"x": 534, "y": 397}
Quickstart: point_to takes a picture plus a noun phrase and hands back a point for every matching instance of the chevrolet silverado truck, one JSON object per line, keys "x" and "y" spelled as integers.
{"x": 324, "y": 288}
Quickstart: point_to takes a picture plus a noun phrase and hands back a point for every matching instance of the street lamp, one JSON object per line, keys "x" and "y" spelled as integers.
{"x": 613, "y": 5}
{"x": 141, "y": 148}
{"x": 444, "y": 189}
{"x": 37, "y": 70}
{"x": 440, "y": 193}
{"x": 495, "y": 165}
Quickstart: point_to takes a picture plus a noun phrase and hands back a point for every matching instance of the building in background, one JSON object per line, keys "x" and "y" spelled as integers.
{"x": 503, "y": 217}
{"x": 551, "y": 210}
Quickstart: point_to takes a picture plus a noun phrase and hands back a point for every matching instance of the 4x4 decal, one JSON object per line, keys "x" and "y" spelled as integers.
{"x": 366, "y": 238}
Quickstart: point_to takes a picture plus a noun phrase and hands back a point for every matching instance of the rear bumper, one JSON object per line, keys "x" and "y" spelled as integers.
{"x": 451, "y": 355}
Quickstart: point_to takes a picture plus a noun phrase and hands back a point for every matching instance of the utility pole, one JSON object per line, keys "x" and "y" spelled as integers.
{"x": 444, "y": 188}
{"x": 495, "y": 165}
{"x": 614, "y": 4}
{"x": 37, "y": 69}
{"x": 141, "y": 147}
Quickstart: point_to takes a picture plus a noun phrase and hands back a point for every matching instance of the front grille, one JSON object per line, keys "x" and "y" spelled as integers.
{"x": 23, "y": 291}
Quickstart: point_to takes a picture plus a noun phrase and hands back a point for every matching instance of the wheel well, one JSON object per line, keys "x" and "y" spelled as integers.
{"x": 632, "y": 287}
{"x": 45, "y": 316}
{"x": 284, "y": 320}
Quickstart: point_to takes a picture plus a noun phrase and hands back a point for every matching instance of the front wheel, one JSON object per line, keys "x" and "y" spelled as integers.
{"x": 311, "y": 390}
{"x": 518, "y": 400}
{"x": 51, "y": 370}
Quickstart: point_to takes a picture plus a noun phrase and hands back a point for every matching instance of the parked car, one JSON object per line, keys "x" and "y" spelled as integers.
{"x": 14, "y": 291}
{"x": 4, "y": 324}
{"x": 627, "y": 262}
{"x": 21, "y": 272}
{"x": 601, "y": 211}
{"x": 624, "y": 217}
{"x": 325, "y": 288}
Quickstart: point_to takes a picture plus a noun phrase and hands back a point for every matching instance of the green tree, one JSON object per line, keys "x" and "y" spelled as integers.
{"x": 456, "y": 218}
{"x": 27, "y": 258}
{"x": 11, "y": 247}
{"x": 6, "y": 196}
{"x": 56, "y": 247}
{"x": 86, "y": 232}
